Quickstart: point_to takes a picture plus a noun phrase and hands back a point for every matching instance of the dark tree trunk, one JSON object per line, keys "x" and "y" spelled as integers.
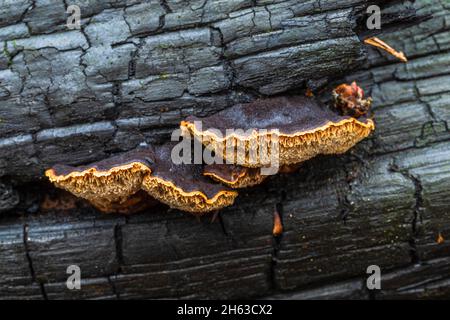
{"x": 135, "y": 70}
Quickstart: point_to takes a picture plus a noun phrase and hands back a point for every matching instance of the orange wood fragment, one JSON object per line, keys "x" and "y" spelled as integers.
{"x": 374, "y": 41}
{"x": 277, "y": 225}
{"x": 440, "y": 239}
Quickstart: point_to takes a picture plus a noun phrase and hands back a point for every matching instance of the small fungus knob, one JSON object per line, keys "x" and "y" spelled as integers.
{"x": 349, "y": 100}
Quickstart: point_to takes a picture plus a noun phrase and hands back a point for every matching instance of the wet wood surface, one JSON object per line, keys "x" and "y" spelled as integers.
{"x": 386, "y": 202}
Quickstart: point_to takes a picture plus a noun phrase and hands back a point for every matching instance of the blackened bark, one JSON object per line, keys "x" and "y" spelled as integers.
{"x": 385, "y": 202}
{"x": 134, "y": 70}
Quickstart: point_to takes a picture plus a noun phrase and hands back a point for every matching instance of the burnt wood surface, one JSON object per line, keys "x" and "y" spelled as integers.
{"x": 77, "y": 96}
{"x": 134, "y": 70}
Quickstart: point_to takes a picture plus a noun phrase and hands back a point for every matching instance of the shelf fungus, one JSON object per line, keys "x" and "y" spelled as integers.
{"x": 279, "y": 132}
{"x": 183, "y": 186}
{"x": 111, "y": 185}
{"x": 287, "y": 130}
{"x": 234, "y": 176}
{"x": 238, "y": 177}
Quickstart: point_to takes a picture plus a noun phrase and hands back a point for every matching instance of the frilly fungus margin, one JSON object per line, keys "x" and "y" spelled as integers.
{"x": 304, "y": 127}
{"x": 116, "y": 184}
{"x": 238, "y": 177}
{"x": 110, "y": 185}
{"x": 182, "y": 186}
{"x": 234, "y": 176}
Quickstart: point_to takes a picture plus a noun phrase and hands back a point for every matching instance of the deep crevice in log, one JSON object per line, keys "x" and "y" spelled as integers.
{"x": 30, "y": 263}
{"x": 384, "y": 225}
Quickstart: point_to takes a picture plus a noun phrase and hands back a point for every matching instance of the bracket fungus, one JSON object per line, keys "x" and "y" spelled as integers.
{"x": 238, "y": 177}
{"x": 234, "y": 176}
{"x": 117, "y": 184}
{"x": 301, "y": 126}
{"x": 183, "y": 187}
{"x": 111, "y": 185}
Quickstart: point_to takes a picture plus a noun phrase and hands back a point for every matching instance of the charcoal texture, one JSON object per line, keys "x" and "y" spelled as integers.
{"x": 130, "y": 75}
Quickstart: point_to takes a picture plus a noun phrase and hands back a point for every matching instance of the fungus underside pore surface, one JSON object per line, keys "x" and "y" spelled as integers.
{"x": 234, "y": 176}
{"x": 305, "y": 129}
{"x": 183, "y": 186}
{"x": 114, "y": 184}
{"x": 111, "y": 184}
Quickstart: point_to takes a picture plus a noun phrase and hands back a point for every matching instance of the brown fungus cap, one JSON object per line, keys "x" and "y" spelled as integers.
{"x": 234, "y": 176}
{"x": 304, "y": 129}
{"x": 111, "y": 185}
{"x": 183, "y": 187}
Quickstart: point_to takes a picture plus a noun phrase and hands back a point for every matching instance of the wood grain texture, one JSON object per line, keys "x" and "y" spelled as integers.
{"x": 136, "y": 68}
{"x": 385, "y": 202}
